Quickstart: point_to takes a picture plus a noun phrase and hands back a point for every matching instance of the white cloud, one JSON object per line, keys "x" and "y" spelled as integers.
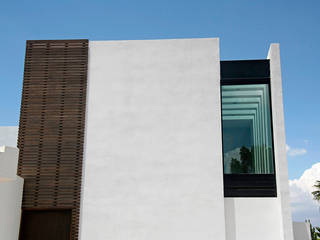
{"x": 287, "y": 147}
{"x": 295, "y": 151}
{"x": 302, "y": 203}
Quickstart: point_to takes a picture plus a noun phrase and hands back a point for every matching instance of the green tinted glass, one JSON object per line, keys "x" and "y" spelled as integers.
{"x": 247, "y": 136}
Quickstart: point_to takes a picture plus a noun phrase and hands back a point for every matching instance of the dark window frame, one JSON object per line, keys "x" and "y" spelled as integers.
{"x": 245, "y": 72}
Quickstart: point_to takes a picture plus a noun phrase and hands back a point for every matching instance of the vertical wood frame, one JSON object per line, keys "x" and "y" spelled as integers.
{"x": 52, "y": 122}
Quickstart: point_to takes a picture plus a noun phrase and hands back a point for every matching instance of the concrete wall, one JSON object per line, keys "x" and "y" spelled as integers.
{"x": 253, "y": 218}
{"x": 153, "y": 155}
{"x": 153, "y": 159}
{"x": 301, "y": 231}
{"x": 11, "y": 187}
{"x": 280, "y": 141}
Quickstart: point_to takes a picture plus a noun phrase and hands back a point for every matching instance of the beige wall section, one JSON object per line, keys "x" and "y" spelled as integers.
{"x": 11, "y": 187}
{"x": 153, "y": 159}
{"x": 279, "y": 140}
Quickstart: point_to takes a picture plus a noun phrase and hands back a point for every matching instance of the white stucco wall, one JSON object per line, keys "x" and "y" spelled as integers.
{"x": 11, "y": 188}
{"x": 253, "y": 218}
{"x": 280, "y": 140}
{"x": 153, "y": 159}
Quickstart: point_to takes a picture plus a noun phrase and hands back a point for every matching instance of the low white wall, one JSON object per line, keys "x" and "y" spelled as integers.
{"x": 8, "y": 162}
{"x": 10, "y": 207}
{"x": 253, "y": 218}
{"x": 11, "y": 188}
{"x": 9, "y": 136}
{"x": 153, "y": 159}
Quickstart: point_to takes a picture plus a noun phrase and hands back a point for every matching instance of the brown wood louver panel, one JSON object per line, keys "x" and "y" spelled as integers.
{"x": 52, "y": 121}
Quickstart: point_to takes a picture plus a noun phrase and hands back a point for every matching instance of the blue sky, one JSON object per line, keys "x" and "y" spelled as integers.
{"x": 245, "y": 28}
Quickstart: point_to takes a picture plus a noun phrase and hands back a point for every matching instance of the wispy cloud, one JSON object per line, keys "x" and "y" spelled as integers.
{"x": 295, "y": 151}
{"x": 302, "y": 203}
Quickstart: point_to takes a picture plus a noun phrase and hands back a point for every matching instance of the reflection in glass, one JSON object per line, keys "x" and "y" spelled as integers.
{"x": 247, "y": 138}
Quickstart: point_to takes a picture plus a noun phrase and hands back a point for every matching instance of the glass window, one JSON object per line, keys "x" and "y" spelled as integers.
{"x": 247, "y": 135}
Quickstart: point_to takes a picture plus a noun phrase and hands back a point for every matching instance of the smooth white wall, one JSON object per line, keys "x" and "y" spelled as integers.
{"x": 280, "y": 140}
{"x": 11, "y": 188}
{"x": 153, "y": 159}
{"x": 253, "y": 218}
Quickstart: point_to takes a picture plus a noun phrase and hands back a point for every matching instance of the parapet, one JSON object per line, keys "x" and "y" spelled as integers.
{"x": 8, "y": 162}
{"x": 11, "y": 187}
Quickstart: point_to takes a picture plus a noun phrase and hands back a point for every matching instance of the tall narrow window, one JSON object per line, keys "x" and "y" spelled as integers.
{"x": 248, "y": 155}
{"x": 247, "y": 138}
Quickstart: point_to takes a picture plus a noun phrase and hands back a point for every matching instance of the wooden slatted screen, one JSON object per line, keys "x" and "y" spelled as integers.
{"x": 52, "y": 121}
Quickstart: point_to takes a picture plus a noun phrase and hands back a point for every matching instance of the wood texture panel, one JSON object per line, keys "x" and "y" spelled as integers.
{"x": 45, "y": 224}
{"x": 52, "y": 121}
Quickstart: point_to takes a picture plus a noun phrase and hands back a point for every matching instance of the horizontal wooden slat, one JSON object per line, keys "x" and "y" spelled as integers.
{"x": 51, "y": 129}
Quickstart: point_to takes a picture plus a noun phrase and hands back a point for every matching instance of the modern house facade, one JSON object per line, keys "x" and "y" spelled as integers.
{"x": 151, "y": 139}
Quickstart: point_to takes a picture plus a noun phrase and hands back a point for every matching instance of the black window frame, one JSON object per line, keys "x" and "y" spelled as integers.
{"x": 244, "y": 72}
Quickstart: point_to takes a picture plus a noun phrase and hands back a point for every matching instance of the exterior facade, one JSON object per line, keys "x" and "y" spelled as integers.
{"x": 151, "y": 139}
{"x": 11, "y": 187}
